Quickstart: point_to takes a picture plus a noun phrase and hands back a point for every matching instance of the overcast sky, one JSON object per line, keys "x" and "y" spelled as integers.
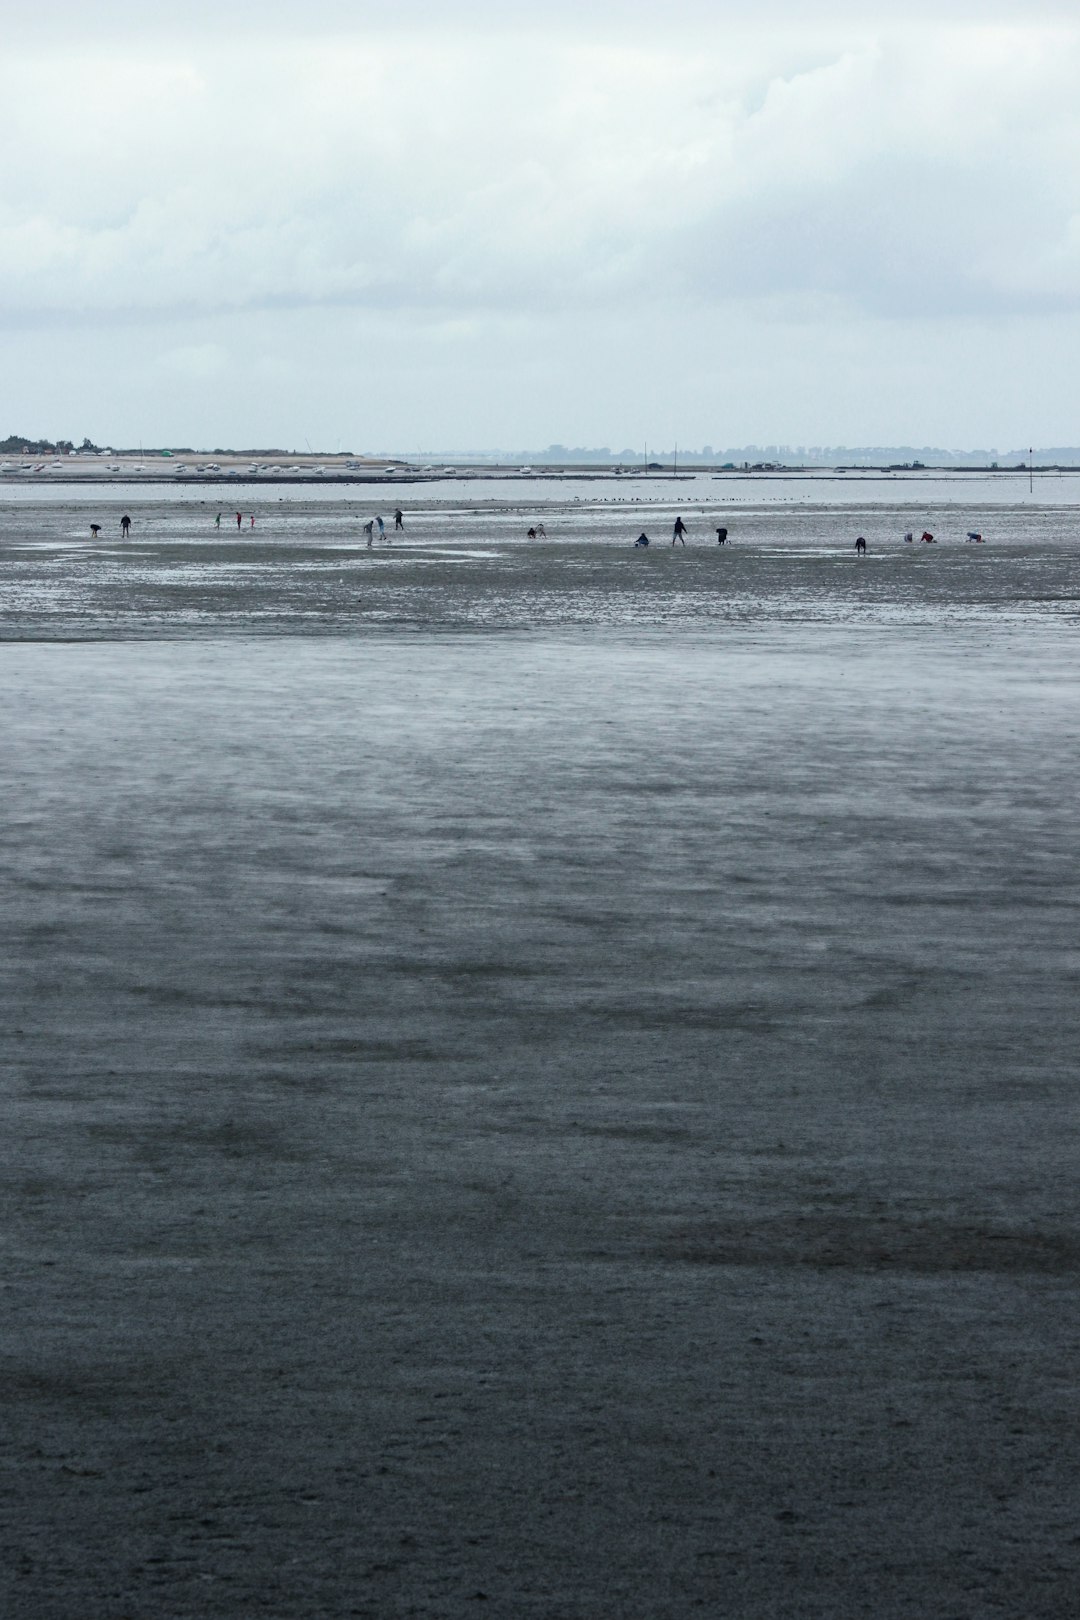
{"x": 589, "y": 223}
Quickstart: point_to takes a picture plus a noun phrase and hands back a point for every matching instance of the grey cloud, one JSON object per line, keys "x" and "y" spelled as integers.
{"x": 606, "y": 202}
{"x": 900, "y": 241}
{"x": 209, "y": 20}
{"x": 488, "y": 187}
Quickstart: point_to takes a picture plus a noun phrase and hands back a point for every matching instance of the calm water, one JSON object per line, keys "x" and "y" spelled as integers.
{"x": 725, "y": 490}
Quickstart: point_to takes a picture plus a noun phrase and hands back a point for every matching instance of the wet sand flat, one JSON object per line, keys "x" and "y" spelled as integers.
{"x": 537, "y": 1085}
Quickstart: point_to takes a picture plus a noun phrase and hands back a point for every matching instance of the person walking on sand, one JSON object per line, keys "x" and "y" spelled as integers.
{"x": 721, "y": 537}
{"x": 399, "y": 519}
{"x": 217, "y": 521}
{"x": 679, "y": 531}
{"x": 382, "y": 528}
{"x": 541, "y": 531}
{"x": 239, "y": 520}
{"x": 125, "y": 525}
{"x": 369, "y": 530}
{"x": 252, "y": 520}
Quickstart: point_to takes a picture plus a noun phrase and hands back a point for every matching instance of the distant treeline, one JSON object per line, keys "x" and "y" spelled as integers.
{"x": 15, "y": 445}
{"x": 19, "y": 444}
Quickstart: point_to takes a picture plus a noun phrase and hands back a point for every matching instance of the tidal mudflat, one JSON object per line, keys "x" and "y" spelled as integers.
{"x": 539, "y": 1081}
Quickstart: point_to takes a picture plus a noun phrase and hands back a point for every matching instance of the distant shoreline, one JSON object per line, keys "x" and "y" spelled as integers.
{"x": 18, "y": 474}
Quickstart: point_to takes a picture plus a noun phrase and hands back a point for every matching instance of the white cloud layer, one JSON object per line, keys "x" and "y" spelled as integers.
{"x": 451, "y": 187}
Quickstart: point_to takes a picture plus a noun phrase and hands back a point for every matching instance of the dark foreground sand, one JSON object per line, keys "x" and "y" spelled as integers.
{"x": 568, "y": 1121}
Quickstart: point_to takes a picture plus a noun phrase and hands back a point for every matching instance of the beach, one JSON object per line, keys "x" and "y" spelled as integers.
{"x": 540, "y": 1077}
